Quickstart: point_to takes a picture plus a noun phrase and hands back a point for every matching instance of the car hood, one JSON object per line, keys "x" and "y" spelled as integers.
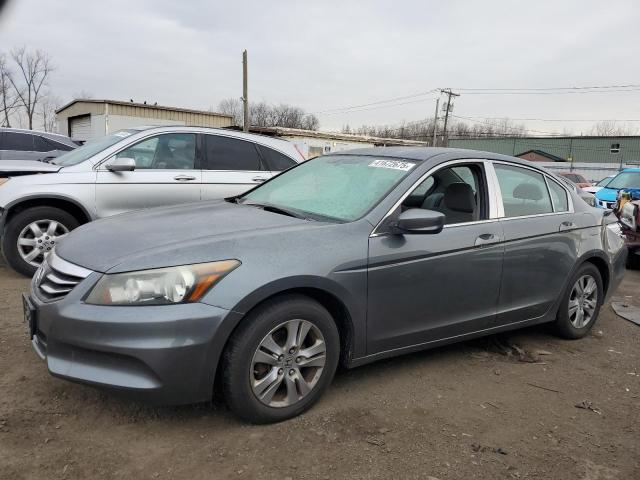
{"x": 607, "y": 194}
{"x": 178, "y": 235}
{"x": 25, "y": 167}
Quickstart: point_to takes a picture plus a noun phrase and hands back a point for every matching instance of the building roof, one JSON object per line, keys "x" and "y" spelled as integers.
{"x": 141, "y": 105}
{"x": 347, "y": 137}
{"x": 550, "y": 156}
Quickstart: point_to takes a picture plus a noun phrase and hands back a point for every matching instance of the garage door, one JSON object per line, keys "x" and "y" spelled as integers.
{"x": 80, "y": 127}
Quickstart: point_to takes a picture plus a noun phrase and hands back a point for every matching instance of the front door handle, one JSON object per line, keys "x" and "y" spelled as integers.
{"x": 487, "y": 239}
{"x": 566, "y": 226}
{"x": 259, "y": 179}
{"x": 184, "y": 178}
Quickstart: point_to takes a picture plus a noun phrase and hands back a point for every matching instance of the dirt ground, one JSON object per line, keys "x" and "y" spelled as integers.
{"x": 464, "y": 411}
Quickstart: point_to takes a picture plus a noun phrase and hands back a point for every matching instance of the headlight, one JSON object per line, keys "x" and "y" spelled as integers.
{"x": 161, "y": 286}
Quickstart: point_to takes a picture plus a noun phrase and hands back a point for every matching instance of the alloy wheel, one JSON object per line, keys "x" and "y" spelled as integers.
{"x": 583, "y": 301}
{"x": 37, "y": 239}
{"x": 288, "y": 363}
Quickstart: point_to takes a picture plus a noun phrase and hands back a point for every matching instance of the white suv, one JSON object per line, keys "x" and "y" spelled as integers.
{"x": 128, "y": 170}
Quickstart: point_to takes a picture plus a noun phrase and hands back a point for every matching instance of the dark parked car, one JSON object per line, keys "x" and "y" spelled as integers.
{"x": 348, "y": 258}
{"x": 18, "y": 144}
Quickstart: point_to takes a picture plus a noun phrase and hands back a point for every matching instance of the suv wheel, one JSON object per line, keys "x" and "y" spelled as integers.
{"x": 581, "y": 303}
{"x": 31, "y": 234}
{"x": 280, "y": 360}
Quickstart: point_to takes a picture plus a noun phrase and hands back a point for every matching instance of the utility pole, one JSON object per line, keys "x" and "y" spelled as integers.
{"x": 435, "y": 124}
{"x": 245, "y": 93}
{"x": 447, "y": 109}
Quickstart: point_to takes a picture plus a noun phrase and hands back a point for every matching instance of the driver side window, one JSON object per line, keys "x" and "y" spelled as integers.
{"x": 172, "y": 151}
{"x": 457, "y": 192}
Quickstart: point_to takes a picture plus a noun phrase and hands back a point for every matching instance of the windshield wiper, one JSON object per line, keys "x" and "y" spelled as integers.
{"x": 283, "y": 211}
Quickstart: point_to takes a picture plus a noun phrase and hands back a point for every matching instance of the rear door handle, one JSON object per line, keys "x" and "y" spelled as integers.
{"x": 184, "y": 178}
{"x": 259, "y": 179}
{"x": 566, "y": 226}
{"x": 486, "y": 239}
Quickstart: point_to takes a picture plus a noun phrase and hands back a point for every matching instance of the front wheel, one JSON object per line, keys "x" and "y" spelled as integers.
{"x": 280, "y": 360}
{"x": 31, "y": 234}
{"x": 581, "y": 303}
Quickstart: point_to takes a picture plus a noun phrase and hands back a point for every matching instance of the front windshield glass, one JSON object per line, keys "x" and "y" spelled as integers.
{"x": 625, "y": 180}
{"x": 604, "y": 182}
{"x": 340, "y": 187}
{"x": 90, "y": 148}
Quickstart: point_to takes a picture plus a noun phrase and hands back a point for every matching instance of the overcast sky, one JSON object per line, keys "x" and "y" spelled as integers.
{"x": 331, "y": 54}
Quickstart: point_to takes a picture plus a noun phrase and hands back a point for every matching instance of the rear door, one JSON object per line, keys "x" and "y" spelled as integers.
{"x": 231, "y": 166}
{"x": 541, "y": 242}
{"x": 275, "y": 161}
{"x": 167, "y": 173}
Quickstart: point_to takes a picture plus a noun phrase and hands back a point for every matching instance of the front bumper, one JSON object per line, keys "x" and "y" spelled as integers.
{"x": 161, "y": 354}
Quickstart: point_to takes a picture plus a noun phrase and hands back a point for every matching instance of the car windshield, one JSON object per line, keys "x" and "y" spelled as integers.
{"x": 90, "y": 148}
{"x": 340, "y": 187}
{"x": 625, "y": 180}
{"x": 604, "y": 182}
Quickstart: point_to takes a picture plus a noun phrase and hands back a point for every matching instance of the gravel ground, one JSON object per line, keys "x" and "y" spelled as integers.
{"x": 466, "y": 411}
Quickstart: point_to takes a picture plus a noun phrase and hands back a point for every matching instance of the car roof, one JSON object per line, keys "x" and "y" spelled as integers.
{"x": 428, "y": 153}
{"x": 635, "y": 169}
{"x": 52, "y": 136}
{"x": 279, "y": 144}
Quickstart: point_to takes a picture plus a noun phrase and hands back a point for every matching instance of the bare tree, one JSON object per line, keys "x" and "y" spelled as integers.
{"x": 233, "y": 107}
{"x": 8, "y": 97}
{"x": 48, "y": 106}
{"x": 611, "y": 128}
{"x": 265, "y": 115}
{"x": 33, "y": 69}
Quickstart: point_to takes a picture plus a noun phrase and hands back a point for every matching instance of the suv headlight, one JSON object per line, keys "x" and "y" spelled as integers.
{"x": 160, "y": 286}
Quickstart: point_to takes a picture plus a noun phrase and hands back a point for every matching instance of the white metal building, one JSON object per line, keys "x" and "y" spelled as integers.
{"x": 311, "y": 143}
{"x": 84, "y": 119}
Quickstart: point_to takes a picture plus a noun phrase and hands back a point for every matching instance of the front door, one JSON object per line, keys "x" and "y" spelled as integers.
{"x": 424, "y": 288}
{"x": 167, "y": 173}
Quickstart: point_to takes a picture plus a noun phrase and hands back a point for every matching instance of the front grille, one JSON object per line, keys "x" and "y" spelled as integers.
{"x": 57, "y": 277}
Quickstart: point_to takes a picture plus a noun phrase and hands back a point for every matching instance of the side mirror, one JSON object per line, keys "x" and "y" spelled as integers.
{"x": 418, "y": 221}
{"x": 122, "y": 164}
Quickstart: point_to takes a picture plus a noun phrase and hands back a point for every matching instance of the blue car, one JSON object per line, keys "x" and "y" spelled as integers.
{"x": 627, "y": 178}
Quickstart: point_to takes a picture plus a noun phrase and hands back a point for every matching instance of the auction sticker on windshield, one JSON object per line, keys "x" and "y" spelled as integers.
{"x": 393, "y": 164}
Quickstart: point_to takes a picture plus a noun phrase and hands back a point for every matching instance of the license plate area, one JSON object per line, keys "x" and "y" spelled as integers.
{"x": 30, "y": 315}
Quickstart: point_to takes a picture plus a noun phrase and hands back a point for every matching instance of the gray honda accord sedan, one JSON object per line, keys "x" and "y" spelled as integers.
{"x": 345, "y": 259}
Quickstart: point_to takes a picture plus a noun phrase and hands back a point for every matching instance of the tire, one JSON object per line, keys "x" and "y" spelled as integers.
{"x": 280, "y": 382}
{"x": 571, "y": 325}
{"x": 42, "y": 216}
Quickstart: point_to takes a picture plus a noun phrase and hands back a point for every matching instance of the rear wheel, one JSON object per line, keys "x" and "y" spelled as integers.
{"x": 31, "y": 234}
{"x": 280, "y": 360}
{"x": 581, "y": 303}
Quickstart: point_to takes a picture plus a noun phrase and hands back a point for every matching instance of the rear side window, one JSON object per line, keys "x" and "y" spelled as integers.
{"x": 17, "y": 141}
{"x": 558, "y": 196}
{"x": 224, "y": 153}
{"x": 42, "y": 144}
{"x": 276, "y": 161}
{"x": 524, "y": 192}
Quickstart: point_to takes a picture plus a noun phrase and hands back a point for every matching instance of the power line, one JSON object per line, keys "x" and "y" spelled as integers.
{"x": 379, "y": 102}
{"x": 595, "y": 87}
{"x": 559, "y": 119}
